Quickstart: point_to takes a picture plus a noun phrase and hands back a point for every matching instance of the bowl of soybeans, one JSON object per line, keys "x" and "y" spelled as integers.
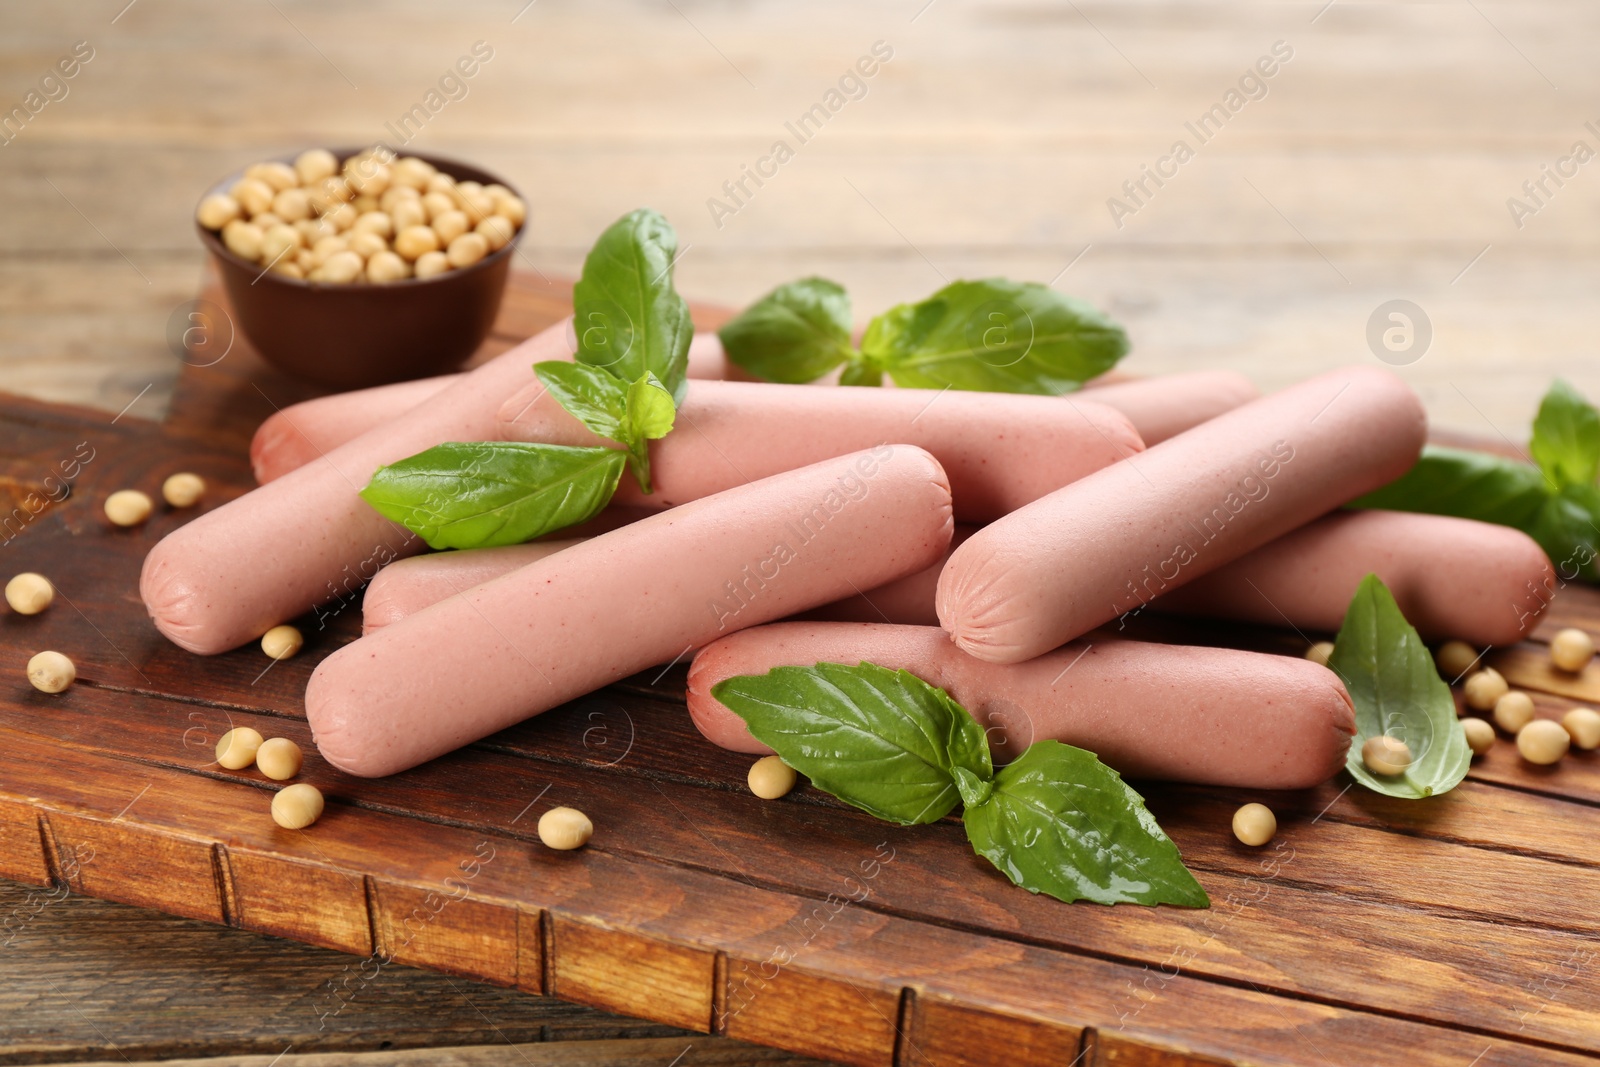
{"x": 359, "y": 267}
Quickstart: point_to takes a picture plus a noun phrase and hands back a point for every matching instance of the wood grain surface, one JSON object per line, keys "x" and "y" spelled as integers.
{"x": 1372, "y": 930}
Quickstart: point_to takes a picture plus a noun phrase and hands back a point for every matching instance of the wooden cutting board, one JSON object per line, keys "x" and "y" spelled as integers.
{"x": 1457, "y": 931}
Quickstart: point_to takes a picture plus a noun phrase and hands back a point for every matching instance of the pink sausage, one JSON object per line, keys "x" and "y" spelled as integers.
{"x": 1102, "y": 546}
{"x": 407, "y": 586}
{"x": 1180, "y": 713}
{"x": 908, "y": 601}
{"x": 623, "y": 601}
{"x": 300, "y": 433}
{"x": 1000, "y": 450}
{"x": 308, "y": 538}
{"x": 1164, "y": 407}
{"x": 1453, "y": 578}
{"x": 294, "y": 436}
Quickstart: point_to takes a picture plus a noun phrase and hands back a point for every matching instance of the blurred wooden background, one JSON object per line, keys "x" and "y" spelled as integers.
{"x": 1377, "y": 166}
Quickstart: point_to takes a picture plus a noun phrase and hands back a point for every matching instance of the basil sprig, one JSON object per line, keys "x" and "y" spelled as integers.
{"x": 633, "y": 414}
{"x": 1056, "y": 821}
{"x": 628, "y": 376}
{"x": 1557, "y": 502}
{"x": 992, "y": 335}
{"x": 1396, "y": 689}
{"x": 494, "y": 492}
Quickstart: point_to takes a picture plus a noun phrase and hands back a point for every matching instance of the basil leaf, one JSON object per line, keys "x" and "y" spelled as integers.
{"x": 1566, "y": 437}
{"x": 594, "y": 397}
{"x": 795, "y": 334}
{"x": 1468, "y": 485}
{"x": 884, "y": 741}
{"x": 1396, "y": 689}
{"x": 996, "y": 335}
{"x": 648, "y": 414}
{"x": 1060, "y": 822}
{"x": 483, "y": 494}
{"x": 858, "y": 373}
{"x": 628, "y": 317}
{"x": 649, "y": 411}
{"x": 1568, "y": 529}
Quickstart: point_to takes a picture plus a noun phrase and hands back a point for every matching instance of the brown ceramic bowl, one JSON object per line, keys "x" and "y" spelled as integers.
{"x": 361, "y": 334}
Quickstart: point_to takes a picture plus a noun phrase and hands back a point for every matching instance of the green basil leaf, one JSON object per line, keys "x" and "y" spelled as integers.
{"x": 483, "y": 494}
{"x": 996, "y": 335}
{"x": 650, "y": 411}
{"x": 1396, "y": 689}
{"x": 795, "y": 334}
{"x": 885, "y": 741}
{"x": 1060, "y": 822}
{"x": 649, "y": 414}
{"x": 1566, "y": 437}
{"x": 857, "y": 372}
{"x": 594, "y": 397}
{"x": 628, "y": 317}
{"x": 1568, "y": 529}
{"x": 1468, "y": 485}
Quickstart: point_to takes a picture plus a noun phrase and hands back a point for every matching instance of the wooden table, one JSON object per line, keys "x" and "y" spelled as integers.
{"x": 1372, "y": 930}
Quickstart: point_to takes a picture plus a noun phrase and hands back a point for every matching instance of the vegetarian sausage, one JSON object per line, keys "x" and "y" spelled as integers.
{"x": 298, "y": 434}
{"x": 1105, "y": 545}
{"x": 623, "y": 601}
{"x": 1453, "y": 578}
{"x": 1180, "y": 713}
{"x": 307, "y": 538}
{"x": 1164, "y": 407}
{"x": 407, "y": 586}
{"x": 1000, "y": 450}
{"x": 294, "y": 436}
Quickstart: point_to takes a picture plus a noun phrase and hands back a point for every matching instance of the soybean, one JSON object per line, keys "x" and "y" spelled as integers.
{"x": 279, "y": 759}
{"x": 237, "y": 748}
{"x": 183, "y": 490}
{"x": 1454, "y": 659}
{"x": 1483, "y": 688}
{"x": 1583, "y": 725}
{"x": 1543, "y": 742}
{"x": 29, "y": 593}
{"x": 771, "y": 778}
{"x": 281, "y": 642}
{"x": 128, "y": 507}
{"x": 565, "y": 829}
{"x": 1571, "y": 650}
{"x": 1254, "y": 824}
{"x": 1513, "y": 711}
{"x": 1385, "y": 755}
{"x": 51, "y": 672}
{"x": 297, "y": 806}
{"x": 389, "y": 209}
{"x": 1480, "y": 735}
